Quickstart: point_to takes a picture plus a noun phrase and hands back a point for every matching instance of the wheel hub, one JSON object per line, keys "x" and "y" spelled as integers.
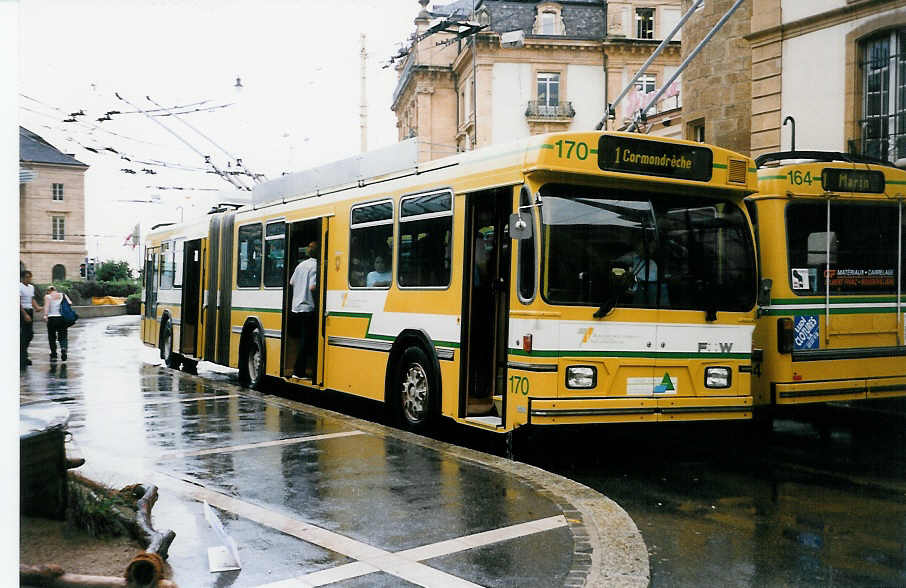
{"x": 415, "y": 393}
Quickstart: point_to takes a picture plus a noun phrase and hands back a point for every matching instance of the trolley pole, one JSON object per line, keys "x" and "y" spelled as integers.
{"x": 635, "y": 123}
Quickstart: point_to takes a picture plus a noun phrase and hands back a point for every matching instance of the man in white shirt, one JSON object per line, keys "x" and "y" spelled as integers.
{"x": 27, "y": 306}
{"x": 305, "y": 285}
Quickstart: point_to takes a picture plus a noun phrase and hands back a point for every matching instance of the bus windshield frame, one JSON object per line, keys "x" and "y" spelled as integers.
{"x": 644, "y": 249}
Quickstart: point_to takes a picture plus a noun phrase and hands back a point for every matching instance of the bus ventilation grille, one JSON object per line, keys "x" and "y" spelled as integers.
{"x": 736, "y": 171}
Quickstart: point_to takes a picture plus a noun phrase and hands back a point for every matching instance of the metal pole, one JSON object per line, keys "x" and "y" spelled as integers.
{"x": 901, "y": 332}
{"x": 660, "y": 48}
{"x": 682, "y": 66}
{"x": 827, "y": 276}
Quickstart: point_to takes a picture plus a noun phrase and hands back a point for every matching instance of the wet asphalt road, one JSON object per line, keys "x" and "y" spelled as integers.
{"x": 717, "y": 506}
{"x": 807, "y": 505}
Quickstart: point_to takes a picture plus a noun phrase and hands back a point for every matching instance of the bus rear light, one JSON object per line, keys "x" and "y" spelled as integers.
{"x": 785, "y": 335}
{"x": 581, "y": 376}
{"x": 797, "y": 377}
{"x": 527, "y": 343}
{"x": 717, "y": 377}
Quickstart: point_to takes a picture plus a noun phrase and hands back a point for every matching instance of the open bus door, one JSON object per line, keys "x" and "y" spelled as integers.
{"x": 299, "y": 237}
{"x": 149, "y": 319}
{"x": 486, "y": 288}
{"x": 191, "y": 297}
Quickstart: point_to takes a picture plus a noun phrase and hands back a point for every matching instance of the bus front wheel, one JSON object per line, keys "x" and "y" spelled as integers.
{"x": 252, "y": 361}
{"x": 415, "y": 390}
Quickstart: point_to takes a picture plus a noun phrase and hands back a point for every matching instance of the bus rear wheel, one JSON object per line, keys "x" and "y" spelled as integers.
{"x": 415, "y": 390}
{"x": 252, "y": 360}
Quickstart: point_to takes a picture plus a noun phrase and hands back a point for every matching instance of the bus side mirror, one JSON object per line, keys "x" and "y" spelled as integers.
{"x": 520, "y": 226}
{"x": 764, "y": 294}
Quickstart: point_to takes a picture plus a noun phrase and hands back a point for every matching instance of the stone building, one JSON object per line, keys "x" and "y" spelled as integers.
{"x": 51, "y": 210}
{"x": 718, "y": 89}
{"x": 829, "y": 70}
{"x": 534, "y": 67}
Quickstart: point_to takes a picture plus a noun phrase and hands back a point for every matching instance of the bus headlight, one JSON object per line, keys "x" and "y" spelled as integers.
{"x": 717, "y": 377}
{"x": 581, "y": 376}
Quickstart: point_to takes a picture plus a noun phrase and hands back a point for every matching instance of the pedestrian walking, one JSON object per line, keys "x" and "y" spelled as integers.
{"x": 27, "y": 306}
{"x": 56, "y": 324}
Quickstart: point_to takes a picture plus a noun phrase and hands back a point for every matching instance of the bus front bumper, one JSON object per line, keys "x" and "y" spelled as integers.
{"x": 574, "y": 411}
{"x": 839, "y": 390}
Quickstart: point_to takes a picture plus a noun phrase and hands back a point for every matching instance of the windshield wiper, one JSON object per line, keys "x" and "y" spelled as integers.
{"x": 621, "y": 280}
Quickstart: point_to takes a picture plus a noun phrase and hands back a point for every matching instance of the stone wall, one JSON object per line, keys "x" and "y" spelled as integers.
{"x": 717, "y": 84}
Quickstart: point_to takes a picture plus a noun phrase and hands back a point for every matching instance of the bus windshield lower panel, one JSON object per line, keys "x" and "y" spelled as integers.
{"x": 645, "y": 250}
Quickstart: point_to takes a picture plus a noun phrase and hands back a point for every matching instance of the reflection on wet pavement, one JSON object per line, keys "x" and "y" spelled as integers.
{"x": 277, "y": 475}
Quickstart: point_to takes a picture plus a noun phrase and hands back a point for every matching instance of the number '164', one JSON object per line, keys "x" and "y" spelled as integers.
{"x": 519, "y": 384}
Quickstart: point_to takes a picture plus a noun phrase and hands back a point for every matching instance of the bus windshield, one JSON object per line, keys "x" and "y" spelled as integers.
{"x": 863, "y": 241}
{"x": 679, "y": 252}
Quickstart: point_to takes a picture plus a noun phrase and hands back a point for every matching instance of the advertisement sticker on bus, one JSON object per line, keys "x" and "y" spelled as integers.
{"x": 643, "y": 386}
{"x": 804, "y": 279}
{"x": 806, "y": 332}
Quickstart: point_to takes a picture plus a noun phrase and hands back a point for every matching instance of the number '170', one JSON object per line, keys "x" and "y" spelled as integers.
{"x": 568, "y": 149}
{"x": 519, "y": 384}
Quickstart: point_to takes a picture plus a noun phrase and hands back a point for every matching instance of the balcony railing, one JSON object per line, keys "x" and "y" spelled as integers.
{"x": 550, "y": 111}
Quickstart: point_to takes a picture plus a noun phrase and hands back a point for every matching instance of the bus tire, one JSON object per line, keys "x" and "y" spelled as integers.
{"x": 415, "y": 393}
{"x": 171, "y": 359}
{"x": 252, "y": 359}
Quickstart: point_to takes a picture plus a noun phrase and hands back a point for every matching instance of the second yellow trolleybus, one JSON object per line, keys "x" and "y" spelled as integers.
{"x": 830, "y": 228}
{"x": 566, "y": 278}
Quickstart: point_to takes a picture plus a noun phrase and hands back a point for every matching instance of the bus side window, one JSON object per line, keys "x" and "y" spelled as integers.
{"x": 526, "y": 273}
{"x": 426, "y": 228}
{"x": 248, "y": 274}
{"x": 371, "y": 245}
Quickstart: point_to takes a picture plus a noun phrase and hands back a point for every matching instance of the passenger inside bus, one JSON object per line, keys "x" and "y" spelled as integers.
{"x": 381, "y": 274}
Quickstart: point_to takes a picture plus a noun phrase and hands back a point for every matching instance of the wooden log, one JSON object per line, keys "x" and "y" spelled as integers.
{"x": 51, "y": 576}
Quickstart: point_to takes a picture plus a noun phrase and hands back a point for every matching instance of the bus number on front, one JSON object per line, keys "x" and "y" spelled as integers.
{"x": 570, "y": 149}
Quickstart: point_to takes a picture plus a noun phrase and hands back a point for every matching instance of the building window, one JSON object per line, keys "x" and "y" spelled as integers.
{"x": 698, "y": 132}
{"x": 58, "y": 273}
{"x": 58, "y": 191}
{"x": 646, "y": 83}
{"x": 548, "y": 23}
{"x": 547, "y": 20}
{"x": 644, "y": 23}
{"x": 548, "y": 92}
{"x": 57, "y": 228}
{"x": 883, "y": 122}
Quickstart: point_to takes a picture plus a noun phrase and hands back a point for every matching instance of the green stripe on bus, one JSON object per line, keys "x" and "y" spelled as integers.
{"x": 593, "y": 151}
{"x": 820, "y": 311}
{"x": 636, "y": 354}
{"x": 254, "y": 309}
{"x": 753, "y": 170}
{"x": 771, "y": 177}
{"x": 547, "y": 146}
{"x": 897, "y": 182}
{"x": 836, "y": 300}
{"x": 719, "y": 166}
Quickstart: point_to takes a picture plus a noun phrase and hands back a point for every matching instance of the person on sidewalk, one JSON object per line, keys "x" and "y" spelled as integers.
{"x": 56, "y": 324}
{"x": 27, "y": 306}
{"x": 305, "y": 284}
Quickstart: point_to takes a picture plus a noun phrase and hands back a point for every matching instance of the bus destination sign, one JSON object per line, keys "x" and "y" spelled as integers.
{"x": 852, "y": 180}
{"x": 653, "y": 158}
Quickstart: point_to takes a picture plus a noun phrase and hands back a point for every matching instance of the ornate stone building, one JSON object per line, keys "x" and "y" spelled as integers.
{"x": 830, "y": 71}
{"x": 534, "y": 67}
{"x": 51, "y": 210}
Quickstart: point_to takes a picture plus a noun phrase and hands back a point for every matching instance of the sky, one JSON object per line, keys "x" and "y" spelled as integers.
{"x": 299, "y": 63}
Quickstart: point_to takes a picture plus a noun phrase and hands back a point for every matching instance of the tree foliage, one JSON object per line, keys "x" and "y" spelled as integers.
{"x": 113, "y": 271}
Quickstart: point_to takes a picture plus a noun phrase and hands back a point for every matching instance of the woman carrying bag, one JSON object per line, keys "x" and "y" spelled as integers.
{"x": 56, "y": 306}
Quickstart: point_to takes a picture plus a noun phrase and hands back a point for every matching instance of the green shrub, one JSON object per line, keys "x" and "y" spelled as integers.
{"x": 134, "y": 304}
{"x": 81, "y": 292}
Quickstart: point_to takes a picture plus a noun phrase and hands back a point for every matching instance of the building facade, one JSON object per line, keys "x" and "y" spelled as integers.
{"x": 822, "y": 75}
{"x": 51, "y": 210}
{"x": 534, "y": 67}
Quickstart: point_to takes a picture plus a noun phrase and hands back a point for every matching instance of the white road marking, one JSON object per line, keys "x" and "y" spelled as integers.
{"x": 278, "y": 442}
{"x": 174, "y": 400}
{"x": 403, "y": 564}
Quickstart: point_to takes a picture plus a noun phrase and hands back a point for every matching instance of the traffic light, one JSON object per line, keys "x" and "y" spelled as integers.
{"x": 82, "y": 270}
{"x": 90, "y": 270}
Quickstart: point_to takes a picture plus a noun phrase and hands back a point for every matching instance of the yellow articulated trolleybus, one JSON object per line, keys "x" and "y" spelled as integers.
{"x": 830, "y": 228}
{"x": 564, "y": 279}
